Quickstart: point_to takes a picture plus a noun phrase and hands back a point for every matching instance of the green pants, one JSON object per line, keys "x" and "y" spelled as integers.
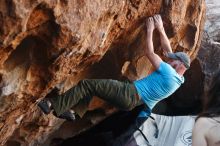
{"x": 122, "y": 95}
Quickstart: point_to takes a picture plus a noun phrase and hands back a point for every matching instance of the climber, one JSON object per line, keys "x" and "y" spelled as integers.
{"x": 160, "y": 84}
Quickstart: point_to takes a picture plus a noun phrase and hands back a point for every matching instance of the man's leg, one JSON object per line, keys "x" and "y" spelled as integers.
{"x": 165, "y": 43}
{"x": 120, "y": 94}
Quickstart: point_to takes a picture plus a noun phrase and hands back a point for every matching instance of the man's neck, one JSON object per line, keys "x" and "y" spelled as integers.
{"x": 180, "y": 72}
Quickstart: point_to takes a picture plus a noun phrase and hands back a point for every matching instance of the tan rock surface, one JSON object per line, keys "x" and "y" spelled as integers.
{"x": 212, "y": 24}
{"x": 48, "y": 43}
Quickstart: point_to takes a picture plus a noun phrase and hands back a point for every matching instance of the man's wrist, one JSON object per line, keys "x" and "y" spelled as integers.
{"x": 161, "y": 30}
{"x": 150, "y": 31}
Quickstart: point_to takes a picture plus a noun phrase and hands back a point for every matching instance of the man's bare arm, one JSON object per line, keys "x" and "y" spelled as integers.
{"x": 153, "y": 57}
{"x": 165, "y": 43}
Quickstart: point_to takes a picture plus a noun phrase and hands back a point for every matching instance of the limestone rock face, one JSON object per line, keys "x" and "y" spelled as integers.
{"x": 212, "y": 20}
{"x": 209, "y": 59}
{"x": 55, "y": 43}
{"x": 209, "y": 54}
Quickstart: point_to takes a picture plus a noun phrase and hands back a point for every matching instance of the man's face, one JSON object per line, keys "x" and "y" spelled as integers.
{"x": 175, "y": 63}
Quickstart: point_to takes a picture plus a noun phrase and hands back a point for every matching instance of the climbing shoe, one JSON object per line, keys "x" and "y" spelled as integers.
{"x": 45, "y": 106}
{"x": 68, "y": 115}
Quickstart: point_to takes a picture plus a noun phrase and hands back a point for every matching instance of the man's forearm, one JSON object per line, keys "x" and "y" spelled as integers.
{"x": 165, "y": 43}
{"x": 150, "y": 46}
{"x": 153, "y": 58}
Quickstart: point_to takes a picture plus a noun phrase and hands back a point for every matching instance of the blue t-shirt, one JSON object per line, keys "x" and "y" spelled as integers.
{"x": 158, "y": 85}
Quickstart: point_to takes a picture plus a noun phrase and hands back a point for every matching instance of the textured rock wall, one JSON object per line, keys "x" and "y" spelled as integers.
{"x": 209, "y": 54}
{"x": 212, "y": 21}
{"x": 54, "y": 43}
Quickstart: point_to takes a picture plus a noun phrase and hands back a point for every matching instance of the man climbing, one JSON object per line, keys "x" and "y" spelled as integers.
{"x": 160, "y": 84}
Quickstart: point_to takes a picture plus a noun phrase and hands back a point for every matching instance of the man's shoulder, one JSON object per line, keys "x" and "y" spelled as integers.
{"x": 165, "y": 67}
{"x": 168, "y": 71}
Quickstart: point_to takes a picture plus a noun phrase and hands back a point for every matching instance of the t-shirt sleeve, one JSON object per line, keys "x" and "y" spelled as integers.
{"x": 165, "y": 68}
{"x": 160, "y": 69}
